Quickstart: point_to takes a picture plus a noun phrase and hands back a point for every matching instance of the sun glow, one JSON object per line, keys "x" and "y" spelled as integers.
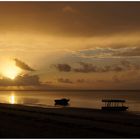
{"x": 10, "y": 70}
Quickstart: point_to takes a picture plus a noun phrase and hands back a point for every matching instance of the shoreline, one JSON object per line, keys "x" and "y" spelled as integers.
{"x": 71, "y": 107}
{"x": 20, "y": 121}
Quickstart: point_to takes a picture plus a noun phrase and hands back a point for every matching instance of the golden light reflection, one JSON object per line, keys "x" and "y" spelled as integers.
{"x": 10, "y": 70}
{"x": 12, "y": 99}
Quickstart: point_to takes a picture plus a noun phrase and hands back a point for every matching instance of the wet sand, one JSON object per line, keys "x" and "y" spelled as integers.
{"x": 18, "y": 121}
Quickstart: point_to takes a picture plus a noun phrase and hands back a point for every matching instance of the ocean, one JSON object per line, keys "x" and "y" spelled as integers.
{"x": 84, "y": 99}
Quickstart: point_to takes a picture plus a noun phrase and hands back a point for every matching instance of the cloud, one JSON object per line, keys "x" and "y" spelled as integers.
{"x": 97, "y": 52}
{"x": 86, "y": 67}
{"x": 133, "y": 51}
{"x": 62, "y": 80}
{"x": 116, "y": 51}
{"x": 24, "y": 80}
{"x": 123, "y": 66}
{"x": 69, "y": 9}
{"x": 81, "y": 80}
{"x": 23, "y": 65}
{"x": 110, "y": 17}
{"x": 27, "y": 80}
{"x": 116, "y": 79}
{"x": 63, "y": 67}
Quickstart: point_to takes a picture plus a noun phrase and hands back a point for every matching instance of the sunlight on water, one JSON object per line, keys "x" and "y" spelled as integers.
{"x": 12, "y": 99}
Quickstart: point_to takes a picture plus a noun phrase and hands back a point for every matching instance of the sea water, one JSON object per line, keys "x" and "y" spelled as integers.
{"x": 84, "y": 99}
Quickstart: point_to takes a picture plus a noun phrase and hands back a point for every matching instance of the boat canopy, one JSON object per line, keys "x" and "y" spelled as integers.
{"x": 113, "y": 100}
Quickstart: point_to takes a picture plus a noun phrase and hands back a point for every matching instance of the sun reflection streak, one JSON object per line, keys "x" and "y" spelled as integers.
{"x": 12, "y": 99}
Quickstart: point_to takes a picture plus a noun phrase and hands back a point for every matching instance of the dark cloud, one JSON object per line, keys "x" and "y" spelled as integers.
{"x": 62, "y": 80}
{"x": 25, "y": 80}
{"x": 94, "y": 18}
{"x": 122, "y": 66}
{"x": 63, "y": 67}
{"x": 81, "y": 80}
{"x": 69, "y": 9}
{"x": 85, "y": 67}
{"x": 127, "y": 65}
{"x": 48, "y": 82}
{"x": 23, "y": 65}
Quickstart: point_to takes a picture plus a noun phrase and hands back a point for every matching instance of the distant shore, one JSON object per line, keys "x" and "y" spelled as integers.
{"x": 18, "y": 121}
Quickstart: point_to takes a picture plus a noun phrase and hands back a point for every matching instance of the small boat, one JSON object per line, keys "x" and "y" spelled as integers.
{"x": 62, "y": 101}
{"x": 114, "y": 105}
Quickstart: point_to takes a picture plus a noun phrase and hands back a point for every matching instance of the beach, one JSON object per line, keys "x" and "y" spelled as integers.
{"x": 20, "y": 121}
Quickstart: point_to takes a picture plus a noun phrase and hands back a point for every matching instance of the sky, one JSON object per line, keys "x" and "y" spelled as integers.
{"x": 70, "y": 45}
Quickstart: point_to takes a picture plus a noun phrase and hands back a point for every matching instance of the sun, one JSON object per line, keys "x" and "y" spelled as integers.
{"x": 10, "y": 70}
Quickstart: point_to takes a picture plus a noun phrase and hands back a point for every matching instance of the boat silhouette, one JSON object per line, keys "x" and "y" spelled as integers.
{"x": 114, "y": 105}
{"x": 63, "y": 101}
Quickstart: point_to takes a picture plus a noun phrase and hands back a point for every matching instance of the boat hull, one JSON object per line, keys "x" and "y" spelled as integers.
{"x": 63, "y": 102}
{"x": 123, "y": 108}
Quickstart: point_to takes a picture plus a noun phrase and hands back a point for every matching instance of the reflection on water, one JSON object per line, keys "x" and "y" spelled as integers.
{"x": 12, "y": 98}
{"x": 30, "y": 101}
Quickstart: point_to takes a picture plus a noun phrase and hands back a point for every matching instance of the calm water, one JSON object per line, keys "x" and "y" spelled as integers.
{"x": 86, "y": 99}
